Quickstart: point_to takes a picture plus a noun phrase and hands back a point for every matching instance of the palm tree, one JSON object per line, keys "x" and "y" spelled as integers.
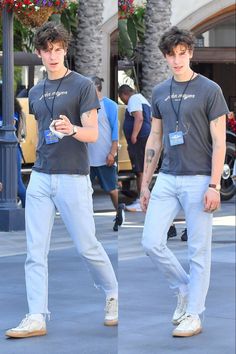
{"x": 154, "y": 67}
{"x": 88, "y": 55}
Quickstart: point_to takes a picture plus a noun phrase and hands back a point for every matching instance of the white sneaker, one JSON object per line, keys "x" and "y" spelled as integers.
{"x": 189, "y": 326}
{"x": 111, "y": 316}
{"x": 135, "y": 206}
{"x": 180, "y": 309}
{"x": 30, "y": 326}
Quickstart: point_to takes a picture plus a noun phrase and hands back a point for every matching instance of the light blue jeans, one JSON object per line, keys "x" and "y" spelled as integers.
{"x": 169, "y": 195}
{"x": 72, "y": 196}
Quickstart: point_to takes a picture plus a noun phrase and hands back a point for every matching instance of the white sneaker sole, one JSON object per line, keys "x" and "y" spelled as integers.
{"x": 111, "y": 322}
{"x": 187, "y": 333}
{"x": 18, "y": 334}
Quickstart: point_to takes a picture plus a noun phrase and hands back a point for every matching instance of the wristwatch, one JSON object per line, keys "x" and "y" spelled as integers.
{"x": 217, "y": 187}
{"x": 74, "y": 131}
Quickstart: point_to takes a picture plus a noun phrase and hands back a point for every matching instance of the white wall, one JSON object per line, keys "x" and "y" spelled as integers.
{"x": 183, "y": 8}
{"x": 110, "y": 9}
{"x": 189, "y": 13}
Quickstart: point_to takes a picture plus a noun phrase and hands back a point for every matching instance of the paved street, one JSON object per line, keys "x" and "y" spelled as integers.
{"x": 146, "y": 303}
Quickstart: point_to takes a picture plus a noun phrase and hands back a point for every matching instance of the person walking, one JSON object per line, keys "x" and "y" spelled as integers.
{"x": 189, "y": 121}
{"x": 103, "y": 152}
{"x": 65, "y": 106}
{"x": 137, "y": 126}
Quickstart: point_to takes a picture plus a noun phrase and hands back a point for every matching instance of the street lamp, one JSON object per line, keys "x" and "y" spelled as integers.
{"x": 11, "y": 217}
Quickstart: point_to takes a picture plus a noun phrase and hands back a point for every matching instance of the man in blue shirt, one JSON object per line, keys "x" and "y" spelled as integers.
{"x": 103, "y": 152}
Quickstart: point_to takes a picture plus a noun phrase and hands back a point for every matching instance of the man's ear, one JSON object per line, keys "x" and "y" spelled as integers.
{"x": 190, "y": 53}
{"x": 37, "y": 52}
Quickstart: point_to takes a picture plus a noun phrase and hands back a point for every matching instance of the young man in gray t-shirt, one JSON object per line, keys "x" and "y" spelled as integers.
{"x": 189, "y": 123}
{"x": 65, "y": 107}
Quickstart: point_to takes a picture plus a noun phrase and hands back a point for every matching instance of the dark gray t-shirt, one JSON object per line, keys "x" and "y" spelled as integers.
{"x": 202, "y": 102}
{"x": 75, "y": 96}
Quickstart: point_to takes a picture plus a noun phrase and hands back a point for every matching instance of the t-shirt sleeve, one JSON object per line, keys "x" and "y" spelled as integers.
{"x": 216, "y": 105}
{"x": 112, "y": 115}
{"x": 134, "y": 104}
{"x": 154, "y": 107}
{"x": 31, "y": 108}
{"x": 88, "y": 99}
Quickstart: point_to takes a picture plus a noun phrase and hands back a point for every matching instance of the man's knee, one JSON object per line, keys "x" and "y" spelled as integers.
{"x": 90, "y": 251}
{"x": 152, "y": 248}
{"x": 113, "y": 192}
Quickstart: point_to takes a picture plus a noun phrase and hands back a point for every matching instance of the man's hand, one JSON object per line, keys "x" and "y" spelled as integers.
{"x": 211, "y": 200}
{"x": 110, "y": 160}
{"x": 133, "y": 139}
{"x": 63, "y": 125}
{"x": 144, "y": 198}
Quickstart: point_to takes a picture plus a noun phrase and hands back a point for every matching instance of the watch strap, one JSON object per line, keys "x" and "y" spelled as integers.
{"x": 215, "y": 186}
{"x": 74, "y": 131}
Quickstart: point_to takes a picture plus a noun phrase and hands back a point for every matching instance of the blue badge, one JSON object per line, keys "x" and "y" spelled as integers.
{"x": 176, "y": 138}
{"x": 50, "y": 137}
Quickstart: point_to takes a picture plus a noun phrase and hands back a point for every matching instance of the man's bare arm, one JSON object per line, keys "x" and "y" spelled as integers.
{"x": 88, "y": 133}
{"x": 110, "y": 160}
{"x": 218, "y": 135}
{"x": 152, "y": 152}
{"x": 138, "y": 122}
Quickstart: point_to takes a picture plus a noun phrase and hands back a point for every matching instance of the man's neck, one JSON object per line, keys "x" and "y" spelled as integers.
{"x": 185, "y": 76}
{"x": 100, "y": 95}
{"x": 58, "y": 74}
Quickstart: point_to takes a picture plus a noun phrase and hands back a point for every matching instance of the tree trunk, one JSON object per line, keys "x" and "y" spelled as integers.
{"x": 88, "y": 56}
{"x": 154, "y": 67}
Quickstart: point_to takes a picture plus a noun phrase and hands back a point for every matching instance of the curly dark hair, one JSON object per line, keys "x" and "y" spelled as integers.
{"x": 51, "y": 32}
{"x": 175, "y": 36}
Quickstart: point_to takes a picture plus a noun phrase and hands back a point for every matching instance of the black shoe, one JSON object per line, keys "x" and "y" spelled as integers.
{"x": 172, "y": 232}
{"x": 184, "y": 236}
{"x": 120, "y": 216}
{"x": 115, "y": 227}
